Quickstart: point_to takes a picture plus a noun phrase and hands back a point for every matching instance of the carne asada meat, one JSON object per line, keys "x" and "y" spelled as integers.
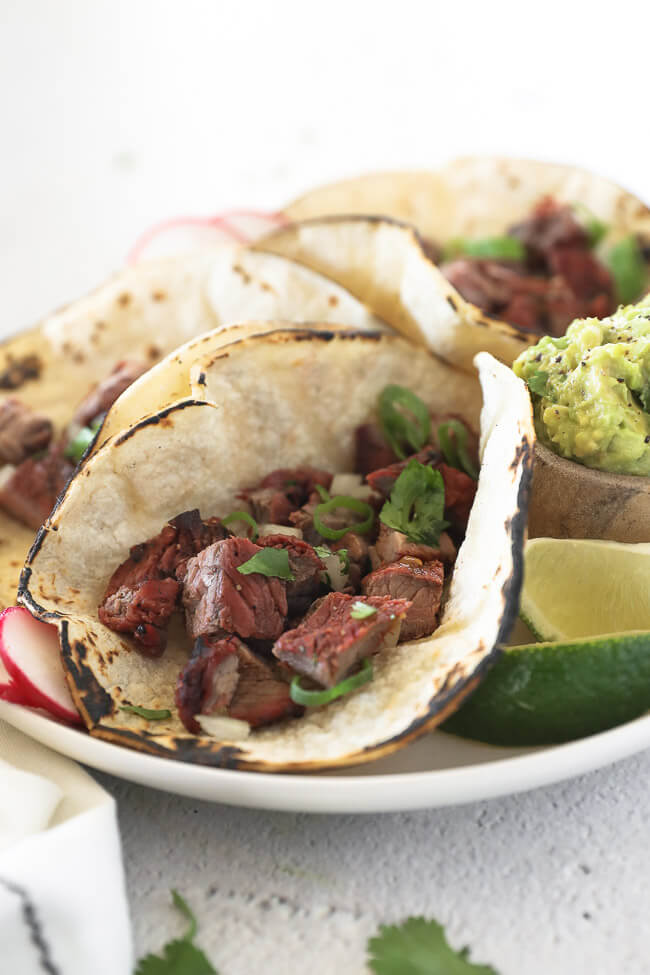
{"x": 218, "y": 597}
{"x": 100, "y": 399}
{"x": 358, "y": 549}
{"x": 419, "y": 582}
{"x": 305, "y": 565}
{"x": 142, "y": 592}
{"x": 30, "y": 493}
{"x": 383, "y": 479}
{"x": 372, "y": 451}
{"x": 284, "y": 491}
{"x": 393, "y": 546}
{"x": 460, "y": 490}
{"x": 223, "y": 676}
{"x": 330, "y": 642}
{"x": 22, "y": 431}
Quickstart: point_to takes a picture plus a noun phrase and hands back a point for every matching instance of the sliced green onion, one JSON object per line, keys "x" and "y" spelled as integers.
{"x": 323, "y": 551}
{"x": 400, "y": 429}
{"x": 361, "y": 611}
{"x": 628, "y": 268}
{"x": 323, "y": 492}
{"x": 314, "y": 699}
{"x": 146, "y": 712}
{"x": 452, "y": 437}
{"x": 487, "y": 248}
{"x": 343, "y": 501}
{"x": 243, "y": 516}
{"x": 270, "y": 562}
{"x": 79, "y": 444}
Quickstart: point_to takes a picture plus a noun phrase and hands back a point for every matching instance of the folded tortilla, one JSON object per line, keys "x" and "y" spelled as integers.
{"x": 146, "y": 312}
{"x": 280, "y": 399}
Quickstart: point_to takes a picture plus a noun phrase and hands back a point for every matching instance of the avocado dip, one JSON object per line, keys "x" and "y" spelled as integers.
{"x": 591, "y": 390}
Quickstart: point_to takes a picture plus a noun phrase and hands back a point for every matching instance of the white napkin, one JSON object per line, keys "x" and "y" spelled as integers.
{"x": 63, "y": 907}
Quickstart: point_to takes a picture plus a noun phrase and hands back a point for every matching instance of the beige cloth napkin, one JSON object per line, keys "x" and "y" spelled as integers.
{"x": 63, "y": 907}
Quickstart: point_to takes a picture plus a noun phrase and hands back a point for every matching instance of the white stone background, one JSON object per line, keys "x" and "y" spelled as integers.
{"x": 115, "y": 114}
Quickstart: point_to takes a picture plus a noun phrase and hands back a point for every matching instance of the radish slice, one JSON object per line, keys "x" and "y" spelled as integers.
{"x": 29, "y": 651}
{"x": 182, "y": 234}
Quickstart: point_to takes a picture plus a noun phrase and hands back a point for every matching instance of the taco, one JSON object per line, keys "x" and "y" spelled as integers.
{"x": 295, "y": 662}
{"x": 58, "y": 379}
{"x": 534, "y": 244}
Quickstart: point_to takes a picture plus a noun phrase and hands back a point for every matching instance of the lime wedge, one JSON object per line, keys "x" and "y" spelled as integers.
{"x": 576, "y": 588}
{"x": 546, "y": 693}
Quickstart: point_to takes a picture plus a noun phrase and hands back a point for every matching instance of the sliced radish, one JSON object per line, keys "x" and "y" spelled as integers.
{"x": 29, "y": 651}
{"x": 179, "y": 235}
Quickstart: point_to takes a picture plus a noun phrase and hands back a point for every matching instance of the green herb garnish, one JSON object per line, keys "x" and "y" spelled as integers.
{"x": 80, "y": 444}
{"x": 487, "y": 248}
{"x": 537, "y": 382}
{"x": 271, "y": 562}
{"x": 628, "y": 268}
{"x": 148, "y": 713}
{"x": 352, "y": 504}
{"x": 323, "y": 492}
{"x": 452, "y": 437}
{"x": 595, "y": 228}
{"x": 416, "y": 504}
{"x": 405, "y": 420}
{"x": 419, "y": 947}
{"x": 361, "y": 611}
{"x": 314, "y": 699}
{"x": 181, "y": 956}
{"x": 243, "y": 516}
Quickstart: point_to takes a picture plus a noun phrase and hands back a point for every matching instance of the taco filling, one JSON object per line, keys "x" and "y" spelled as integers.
{"x": 287, "y": 600}
{"x": 38, "y": 465}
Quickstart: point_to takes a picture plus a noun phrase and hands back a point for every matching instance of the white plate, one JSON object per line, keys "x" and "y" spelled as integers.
{"x": 437, "y": 770}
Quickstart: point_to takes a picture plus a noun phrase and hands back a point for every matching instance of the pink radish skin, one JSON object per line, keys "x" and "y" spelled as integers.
{"x": 238, "y": 225}
{"x": 29, "y": 651}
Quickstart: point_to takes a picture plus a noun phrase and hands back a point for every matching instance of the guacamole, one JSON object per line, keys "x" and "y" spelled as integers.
{"x": 591, "y": 390}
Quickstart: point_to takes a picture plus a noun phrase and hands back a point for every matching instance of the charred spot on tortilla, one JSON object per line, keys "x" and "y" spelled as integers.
{"x": 19, "y": 371}
{"x": 156, "y": 418}
{"x": 124, "y": 299}
{"x": 201, "y": 379}
{"x": 159, "y": 295}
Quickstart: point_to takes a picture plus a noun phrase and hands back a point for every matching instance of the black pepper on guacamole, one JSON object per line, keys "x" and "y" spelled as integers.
{"x": 591, "y": 390}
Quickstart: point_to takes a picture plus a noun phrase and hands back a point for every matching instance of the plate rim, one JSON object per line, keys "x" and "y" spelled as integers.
{"x": 339, "y": 794}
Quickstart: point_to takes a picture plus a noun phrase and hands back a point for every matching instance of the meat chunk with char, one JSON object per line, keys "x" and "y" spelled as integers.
{"x": 100, "y": 399}
{"x": 372, "y": 450}
{"x": 419, "y": 582}
{"x": 393, "y": 545}
{"x": 330, "y": 642}
{"x": 383, "y": 479}
{"x": 283, "y": 491}
{"x": 217, "y": 597}
{"x": 306, "y": 568}
{"x": 31, "y": 491}
{"x": 223, "y": 676}
{"x": 142, "y": 592}
{"x": 22, "y": 431}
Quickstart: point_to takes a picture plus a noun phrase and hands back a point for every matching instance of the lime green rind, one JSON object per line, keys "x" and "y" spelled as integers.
{"x": 548, "y": 693}
{"x": 528, "y": 620}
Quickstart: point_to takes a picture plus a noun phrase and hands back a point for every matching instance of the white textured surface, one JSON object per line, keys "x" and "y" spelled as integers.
{"x": 116, "y": 114}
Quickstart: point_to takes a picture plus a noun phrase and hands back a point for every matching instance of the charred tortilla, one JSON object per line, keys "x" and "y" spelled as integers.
{"x": 281, "y": 399}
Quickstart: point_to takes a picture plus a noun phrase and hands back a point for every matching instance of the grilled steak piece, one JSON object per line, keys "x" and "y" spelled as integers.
{"x": 329, "y": 641}
{"x": 383, "y": 479}
{"x": 160, "y": 559}
{"x": 218, "y": 597}
{"x": 550, "y": 225}
{"x": 392, "y": 546}
{"x": 142, "y": 609}
{"x": 419, "y": 582}
{"x": 223, "y": 676}
{"x": 305, "y": 566}
{"x": 284, "y": 491}
{"x": 357, "y": 548}
{"x": 372, "y": 451}
{"x": 31, "y": 491}
{"x": 460, "y": 490}
{"x": 22, "y": 431}
{"x": 100, "y": 399}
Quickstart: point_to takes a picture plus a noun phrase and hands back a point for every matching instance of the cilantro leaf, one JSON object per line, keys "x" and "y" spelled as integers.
{"x": 416, "y": 504}
{"x": 271, "y": 562}
{"x": 537, "y": 382}
{"x": 180, "y": 956}
{"x": 418, "y": 947}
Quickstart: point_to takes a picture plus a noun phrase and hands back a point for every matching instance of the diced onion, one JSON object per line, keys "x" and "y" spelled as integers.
{"x": 336, "y": 574}
{"x": 351, "y": 485}
{"x": 272, "y": 529}
{"x": 223, "y": 728}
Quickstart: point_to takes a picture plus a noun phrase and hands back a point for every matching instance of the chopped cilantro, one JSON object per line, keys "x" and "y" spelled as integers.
{"x": 271, "y": 562}
{"x": 417, "y": 503}
{"x": 486, "y": 248}
{"x": 537, "y": 382}
{"x": 361, "y": 611}
{"x": 181, "y": 956}
{"x": 419, "y": 947}
{"x": 148, "y": 713}
{"x": 595, "y": 227}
